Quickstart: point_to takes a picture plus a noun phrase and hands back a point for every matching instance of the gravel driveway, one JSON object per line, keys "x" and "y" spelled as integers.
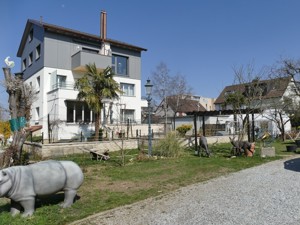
{"x": 266, "y": 194}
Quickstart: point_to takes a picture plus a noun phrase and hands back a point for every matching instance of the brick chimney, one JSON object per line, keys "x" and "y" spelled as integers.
{"x": 103, "y": 30}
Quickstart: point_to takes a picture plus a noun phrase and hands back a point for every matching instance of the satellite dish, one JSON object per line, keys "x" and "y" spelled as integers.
{"x": 9, "y": 64}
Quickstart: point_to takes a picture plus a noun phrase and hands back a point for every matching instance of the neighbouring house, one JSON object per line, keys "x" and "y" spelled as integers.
{"x": 270, "y": 99}
{"x": 54, "y": 57}
{"x": 207, "y": 103}
{"x": 173, "y": 111}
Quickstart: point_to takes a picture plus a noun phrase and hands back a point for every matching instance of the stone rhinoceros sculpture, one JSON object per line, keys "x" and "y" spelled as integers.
{"x": 22, "y": 184}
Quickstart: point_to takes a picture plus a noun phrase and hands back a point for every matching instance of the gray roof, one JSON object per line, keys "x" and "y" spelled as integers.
{"x": 72, "y": 33}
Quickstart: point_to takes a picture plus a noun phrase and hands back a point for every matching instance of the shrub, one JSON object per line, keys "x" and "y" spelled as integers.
{"x": 183, "y": 129}
{"x": 5, "y": 129}
{"x": 35, "y": 138}
{"x": 169, "y": 146}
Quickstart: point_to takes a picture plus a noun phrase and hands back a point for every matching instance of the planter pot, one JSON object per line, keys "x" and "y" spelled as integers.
{"x": 297, "y": 143}
{"x": 291, "y": 148}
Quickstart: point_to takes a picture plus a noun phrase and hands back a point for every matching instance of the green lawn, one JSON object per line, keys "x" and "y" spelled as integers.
{"x": 108, "y": 185}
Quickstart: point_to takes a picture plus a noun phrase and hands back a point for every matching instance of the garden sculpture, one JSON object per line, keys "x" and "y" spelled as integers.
{"x": 203, "y": 144}
{"x": 22, "y": 184}
{"x": 9, "y": 63}
{"x": 242, "y": 147}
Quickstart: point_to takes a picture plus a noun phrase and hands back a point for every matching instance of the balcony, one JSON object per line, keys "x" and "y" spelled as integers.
{"x": 82, "y": 58}
{"x": 63, "y": 85}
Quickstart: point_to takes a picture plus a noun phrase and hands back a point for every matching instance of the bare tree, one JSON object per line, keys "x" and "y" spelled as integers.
{"x": 166, "y": 85}
{"x": 20, "y": 100}
{"x": 288, "y": 68}
{"x": 289, "y": 105}
{"x": 280, "y": 112}
{"x": 245, "y": 97}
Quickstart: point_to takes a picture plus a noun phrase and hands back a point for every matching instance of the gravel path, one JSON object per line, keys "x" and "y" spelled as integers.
{"x": 268, "y": 194}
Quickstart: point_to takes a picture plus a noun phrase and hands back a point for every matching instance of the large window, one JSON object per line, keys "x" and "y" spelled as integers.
{"x": 127, "y": 114}
{"x": 120, "y": 65}
{"x": 78, "y": 112}
{"x": 128, "y": 89}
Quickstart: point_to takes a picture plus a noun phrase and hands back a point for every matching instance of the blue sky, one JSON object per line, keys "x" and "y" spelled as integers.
{"x": 200, "y": 39}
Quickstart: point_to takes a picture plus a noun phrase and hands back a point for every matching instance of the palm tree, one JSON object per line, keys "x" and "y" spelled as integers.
{"x": 95, "y": 86}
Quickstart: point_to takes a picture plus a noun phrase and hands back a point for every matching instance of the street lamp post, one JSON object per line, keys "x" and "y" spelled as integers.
{"x": 148, "y": 87}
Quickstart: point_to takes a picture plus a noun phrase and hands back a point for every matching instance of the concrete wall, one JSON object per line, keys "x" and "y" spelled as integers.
{"x": 62, "y": 149}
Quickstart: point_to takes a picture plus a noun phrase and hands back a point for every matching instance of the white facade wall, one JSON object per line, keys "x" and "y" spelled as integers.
{"x": 52, "y": 102}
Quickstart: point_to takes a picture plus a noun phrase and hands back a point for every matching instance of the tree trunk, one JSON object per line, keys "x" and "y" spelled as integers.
{"x": 17, "y": 104}
{"x": 97, "y": 125}
{"x": 282, "y": 127}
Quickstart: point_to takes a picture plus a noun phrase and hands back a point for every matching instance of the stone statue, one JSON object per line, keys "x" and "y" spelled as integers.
{"x": 242, "y": 147}
{"x": 22, "y": 184}
{"x": 203, "y": 144}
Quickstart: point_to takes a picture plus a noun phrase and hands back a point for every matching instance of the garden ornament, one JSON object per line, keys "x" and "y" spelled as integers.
{"x": 242, "y": 147}
{"x": 10, "y": 64}
{"x": 203, "y": 144}
{"x": 22, "y": 184}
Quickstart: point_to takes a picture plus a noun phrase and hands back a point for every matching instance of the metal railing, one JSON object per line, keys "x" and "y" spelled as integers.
{"x": 65, "y": 85}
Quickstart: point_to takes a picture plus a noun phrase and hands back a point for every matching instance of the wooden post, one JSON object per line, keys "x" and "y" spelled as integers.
{"x": 203, "y": 125}
{"x": 248, "y": 127}
{"x": 196, "y": 136}
{"x": 253, "y": 131}
{"x": 49, "y": 128}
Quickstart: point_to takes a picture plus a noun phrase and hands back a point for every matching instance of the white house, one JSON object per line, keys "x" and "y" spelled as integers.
{"x": 270, "y": 98}
{"x": 53, "y": 57}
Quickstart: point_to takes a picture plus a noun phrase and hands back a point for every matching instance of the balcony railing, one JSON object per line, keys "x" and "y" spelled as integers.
{"x": 82, "y": 58}
{"x": 65, "y": 85}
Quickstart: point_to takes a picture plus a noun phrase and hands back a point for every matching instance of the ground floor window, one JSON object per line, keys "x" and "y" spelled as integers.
{"x": 127, "y": 114}
{"x": 78, "y": 112}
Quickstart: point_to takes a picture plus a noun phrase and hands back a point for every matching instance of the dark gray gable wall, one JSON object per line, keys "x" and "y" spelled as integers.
{"x": 30, "y": 47}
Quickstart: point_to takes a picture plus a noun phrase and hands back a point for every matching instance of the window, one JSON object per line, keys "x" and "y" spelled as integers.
{"x": 127, "y": 114}
{"x": 78, "y": 112}
{"x": 37, "y": 115}
{"x": 128, "y": 89}
{"x": 30, "y": 59}
{"x": 38, "y": 83}
{"x": 229, "y": 93}
{"x": 38, "y": 52}
{"x": 119, "y": 65}
{"x": 61, "y": 81}
{"x": 30, "y": 37}
{"x": 24, "y": 64}
{"x": 70, "y": 112}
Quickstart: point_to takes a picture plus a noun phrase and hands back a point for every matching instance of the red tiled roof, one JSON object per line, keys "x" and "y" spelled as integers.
{"x": 185, "y": 105}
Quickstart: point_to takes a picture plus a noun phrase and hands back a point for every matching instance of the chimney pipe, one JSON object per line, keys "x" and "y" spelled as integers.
{"x": 103, "y": 25}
